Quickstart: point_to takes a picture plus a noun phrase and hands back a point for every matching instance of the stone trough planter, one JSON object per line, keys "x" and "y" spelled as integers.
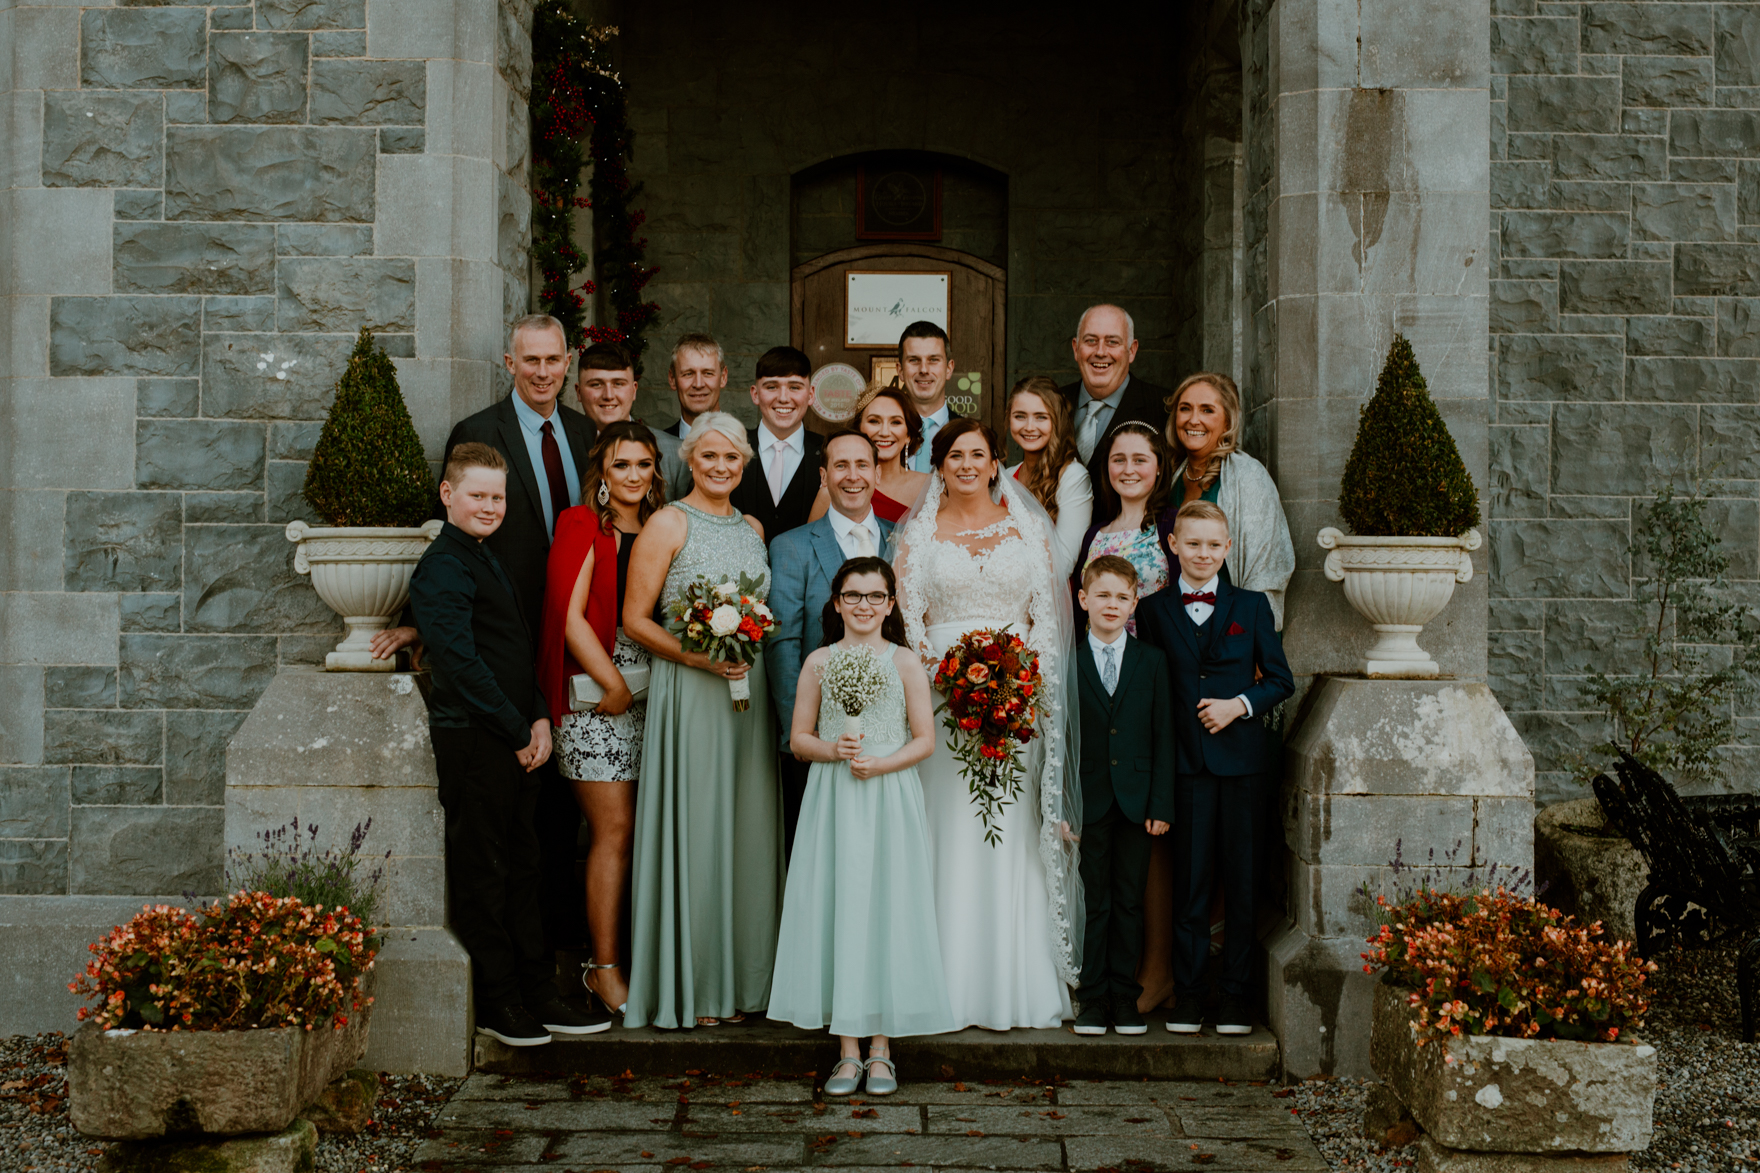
{"x": 1487, "y": 1103}
{"x": 138, "y": 1085}
{"x": 1593, "y": 877}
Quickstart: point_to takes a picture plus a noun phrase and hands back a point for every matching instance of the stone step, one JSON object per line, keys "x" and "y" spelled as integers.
{"x": 972, "y": 1054}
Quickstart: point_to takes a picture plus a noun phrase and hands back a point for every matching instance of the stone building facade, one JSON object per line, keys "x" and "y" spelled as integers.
{"x": 1559, "y": 203}
{"x": 199, "y": 207}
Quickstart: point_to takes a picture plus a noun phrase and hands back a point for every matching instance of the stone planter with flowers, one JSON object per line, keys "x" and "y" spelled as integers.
{"x": 1506, "y": 1031}
{"x": 368, "y": 478}
{"x": 1411, "y": 503}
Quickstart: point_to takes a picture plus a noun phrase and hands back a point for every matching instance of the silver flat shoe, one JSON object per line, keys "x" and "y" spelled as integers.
{"x": 845, "y": 1085}
{"x": 881, "y": 1085}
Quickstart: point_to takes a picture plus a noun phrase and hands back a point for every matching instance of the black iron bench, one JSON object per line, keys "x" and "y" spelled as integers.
{"x": 1704, "y": 857}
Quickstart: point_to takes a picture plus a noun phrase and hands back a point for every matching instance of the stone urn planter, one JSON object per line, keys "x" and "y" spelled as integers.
{"x": 1591, "y": 871}
{"x": 363, "y": 574}
{"x": 1489, "y": 1103}
{"x": 1398, "y": 585}
{"x": 140, "y": 1085}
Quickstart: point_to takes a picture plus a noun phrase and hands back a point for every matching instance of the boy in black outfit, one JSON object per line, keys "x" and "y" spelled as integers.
{"x": 491, "y": 730}
{"x": 1215, "y": 636}
{"x": 1127, "y": 791}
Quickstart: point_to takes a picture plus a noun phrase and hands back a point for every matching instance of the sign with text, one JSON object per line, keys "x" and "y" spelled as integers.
{"x": 878, "y": 306}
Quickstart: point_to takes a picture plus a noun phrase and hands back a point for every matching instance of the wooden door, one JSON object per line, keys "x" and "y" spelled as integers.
{"x": 976, "y": 328}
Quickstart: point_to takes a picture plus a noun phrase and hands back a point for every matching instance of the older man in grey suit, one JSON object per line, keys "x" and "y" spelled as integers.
{"x": 803, "y": 562}
{"x": 607, "y": 389}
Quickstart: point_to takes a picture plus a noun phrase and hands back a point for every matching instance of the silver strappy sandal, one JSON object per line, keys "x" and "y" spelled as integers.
{"x": 587, "y": 969}
{"x": 845, "y": 1085}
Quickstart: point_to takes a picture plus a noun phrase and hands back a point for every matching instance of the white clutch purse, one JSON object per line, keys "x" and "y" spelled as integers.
{"x": 584, "y": 693}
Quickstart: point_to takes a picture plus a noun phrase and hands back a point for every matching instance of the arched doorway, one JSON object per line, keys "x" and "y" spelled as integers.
{"x": 977, "y": 317}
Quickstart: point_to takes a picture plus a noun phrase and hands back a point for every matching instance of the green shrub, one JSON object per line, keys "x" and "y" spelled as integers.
{"x": 1405, "y": 477}
{"x": 368, "y": 468}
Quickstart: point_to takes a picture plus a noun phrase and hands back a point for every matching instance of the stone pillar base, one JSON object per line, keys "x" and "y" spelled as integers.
{"x": 1429, "y": 770}
{"x": 292, "y": 1150}
{"x": 1435, "y": 1158}
{"x": 335, "y": 749}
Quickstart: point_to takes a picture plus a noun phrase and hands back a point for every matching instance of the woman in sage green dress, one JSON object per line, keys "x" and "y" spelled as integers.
{"x": 706, "y": 874}
{"x": 859, "y": 949}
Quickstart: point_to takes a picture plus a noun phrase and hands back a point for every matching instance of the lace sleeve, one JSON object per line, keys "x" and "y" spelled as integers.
{"x": 912, "y": 604}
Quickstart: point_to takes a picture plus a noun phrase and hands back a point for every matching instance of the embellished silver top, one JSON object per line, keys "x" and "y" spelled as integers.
{"x": 714, "y": 547}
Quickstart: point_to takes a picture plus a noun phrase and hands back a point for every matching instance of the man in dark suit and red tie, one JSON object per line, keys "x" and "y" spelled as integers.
{"x": 1107, "y": 394}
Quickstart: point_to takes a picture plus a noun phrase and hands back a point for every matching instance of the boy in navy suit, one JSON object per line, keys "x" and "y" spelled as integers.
{"x": 1127, "y": 791}
{"x": 1215, "y": 637}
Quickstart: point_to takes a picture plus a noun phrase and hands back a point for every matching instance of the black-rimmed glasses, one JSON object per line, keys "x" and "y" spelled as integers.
{"x": 875, "y": 598}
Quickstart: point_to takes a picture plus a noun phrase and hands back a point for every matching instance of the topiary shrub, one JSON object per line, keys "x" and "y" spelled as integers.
{"x": 368, "y": 468}
{"x": 1405, "y": 477}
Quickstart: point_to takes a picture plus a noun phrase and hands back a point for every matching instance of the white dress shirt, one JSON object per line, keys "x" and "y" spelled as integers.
{"x": 1099, "y": 647}
{"x": 1201, "y": 612}
{"x": 845, "y": 529}
{"x": 932, "y": 423}
{"x": 791, "y": 452}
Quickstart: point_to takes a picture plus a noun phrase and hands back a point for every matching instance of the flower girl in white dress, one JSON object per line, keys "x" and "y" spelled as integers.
{"x": 858, "y": 947}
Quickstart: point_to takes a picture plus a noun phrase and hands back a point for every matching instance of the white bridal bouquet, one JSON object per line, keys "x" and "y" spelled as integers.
{"x": 853, "y": 678}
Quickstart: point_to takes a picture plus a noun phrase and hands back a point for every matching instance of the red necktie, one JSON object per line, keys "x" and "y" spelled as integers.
{"x": 1187, "y": 599}
{"x": 553, "y": 473}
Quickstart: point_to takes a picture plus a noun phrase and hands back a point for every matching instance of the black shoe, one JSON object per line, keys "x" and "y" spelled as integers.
{"x": 1187, "y": 1017}
{"x": 561, "y": 1018}
{"x": 512, "y": 1025}
{"x": 1233, "y": 1017}
{"x": 1092, "y": 1019}
{"x": 1126, "y": 1018}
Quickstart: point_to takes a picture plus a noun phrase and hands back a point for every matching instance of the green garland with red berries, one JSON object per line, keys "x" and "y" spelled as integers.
{"x": 579, "y": 114}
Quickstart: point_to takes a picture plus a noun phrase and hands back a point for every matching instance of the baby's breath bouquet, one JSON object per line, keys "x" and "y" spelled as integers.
{"x": 853, "y": 678}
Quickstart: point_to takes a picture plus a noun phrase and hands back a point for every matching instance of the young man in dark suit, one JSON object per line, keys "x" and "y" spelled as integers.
{"x": 1107, "y": 394}
{"x": 491, "y": 733}
{"x": 783, "y": 478}
{"x": 1215, "y": 636}
{"x": 1127, "y": 791}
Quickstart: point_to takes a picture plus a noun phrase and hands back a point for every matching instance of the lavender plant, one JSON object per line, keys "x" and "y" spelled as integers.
{"x": 290, "y": 864}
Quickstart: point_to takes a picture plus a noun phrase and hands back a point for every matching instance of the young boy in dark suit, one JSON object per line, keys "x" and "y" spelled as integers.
{"x": 491, "y": 731}
{"x": 1127, "y": 791}
{"x": 1215, "y": 636}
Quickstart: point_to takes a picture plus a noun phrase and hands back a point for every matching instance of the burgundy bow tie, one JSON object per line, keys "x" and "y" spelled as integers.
{"x": 1188, "y": 598}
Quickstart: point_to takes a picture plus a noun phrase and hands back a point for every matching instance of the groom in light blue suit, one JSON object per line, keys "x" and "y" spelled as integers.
{"x": 803, "y": 561}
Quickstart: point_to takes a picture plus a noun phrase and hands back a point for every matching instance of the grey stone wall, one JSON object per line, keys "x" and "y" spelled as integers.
{"x": 1625, "y": 188}
{"x": 198, "y": 208}
{"x": 729, "y": 102}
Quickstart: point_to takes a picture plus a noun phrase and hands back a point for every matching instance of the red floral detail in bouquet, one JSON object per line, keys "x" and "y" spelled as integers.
{"x": 990, "y": 679}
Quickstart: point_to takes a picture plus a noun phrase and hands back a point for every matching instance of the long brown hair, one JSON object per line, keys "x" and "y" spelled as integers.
{"x": 1106, "y": 498}
{"x": 1230, "y": 396}
{"x": 614, "y": 434}
{"x": 831, "y": 623}
{"x": 1059, "y": 450}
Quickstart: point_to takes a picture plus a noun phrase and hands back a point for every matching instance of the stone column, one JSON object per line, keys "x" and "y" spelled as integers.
{"x": 334, "y": 750}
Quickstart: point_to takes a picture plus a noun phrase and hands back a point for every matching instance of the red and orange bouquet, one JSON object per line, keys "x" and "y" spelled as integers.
{"x": 991, "y": 681}
{"x": 255, "y": 961}
{"x": 727, "y": 621}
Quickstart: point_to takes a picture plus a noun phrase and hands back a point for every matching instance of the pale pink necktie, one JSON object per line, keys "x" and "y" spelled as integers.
{"x": 776, "y": 473}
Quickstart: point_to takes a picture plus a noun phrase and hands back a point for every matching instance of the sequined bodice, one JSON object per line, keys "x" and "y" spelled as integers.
{"x": 885, "y": 725}
{"x": 715, "y": 547}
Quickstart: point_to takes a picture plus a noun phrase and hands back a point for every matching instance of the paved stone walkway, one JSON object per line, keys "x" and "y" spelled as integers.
{"x": 752, "y": 1124}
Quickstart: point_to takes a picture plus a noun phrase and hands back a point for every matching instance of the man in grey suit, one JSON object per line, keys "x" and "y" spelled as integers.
{"x": 607, "y": 390}
{"x": 803, "y": 561}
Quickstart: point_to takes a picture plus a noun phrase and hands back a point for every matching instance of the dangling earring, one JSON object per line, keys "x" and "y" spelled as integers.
{"x": 604, "y": 496}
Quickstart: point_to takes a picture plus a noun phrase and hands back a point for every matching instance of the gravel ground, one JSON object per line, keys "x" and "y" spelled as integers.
{"x": 35, "y": 1134}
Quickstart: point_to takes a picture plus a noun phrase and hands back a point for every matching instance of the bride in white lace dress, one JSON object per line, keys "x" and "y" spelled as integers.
{"x": 1009, "y": 916}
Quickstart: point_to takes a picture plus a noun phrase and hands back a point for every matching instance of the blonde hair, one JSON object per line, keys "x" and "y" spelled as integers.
{"x": 1200, "y": 510}
{"x": 1059, "y": 450}
{"x": 473, "y": 454}
{"x": 716, "y": 421}
{"x": 1231, "y": 408}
